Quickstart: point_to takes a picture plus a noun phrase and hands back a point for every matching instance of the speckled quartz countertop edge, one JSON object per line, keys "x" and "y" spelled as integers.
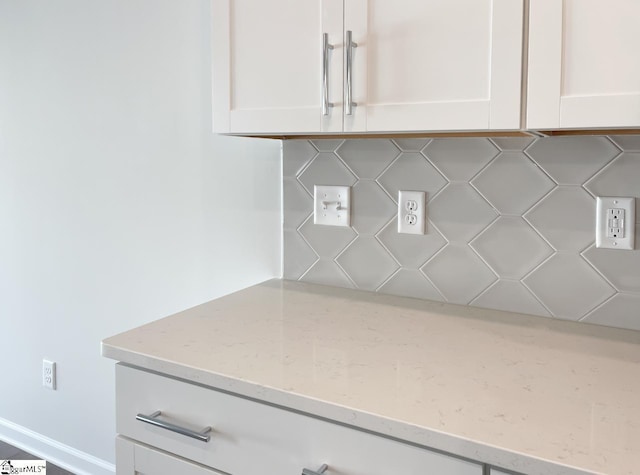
{"x": 423, "y": 436}
{"x": 144, "y": 347}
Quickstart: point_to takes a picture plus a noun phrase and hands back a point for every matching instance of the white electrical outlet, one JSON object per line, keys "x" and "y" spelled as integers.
{"x": 615, "y": 222}
{"x": 332, "y": 205}
{"x": 49, "y": 374}
{"x": 412, "y": 212}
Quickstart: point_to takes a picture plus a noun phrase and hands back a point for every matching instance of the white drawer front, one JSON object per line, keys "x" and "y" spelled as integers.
{"x": 135, "y": 459}
{"x": 249, "y": 437}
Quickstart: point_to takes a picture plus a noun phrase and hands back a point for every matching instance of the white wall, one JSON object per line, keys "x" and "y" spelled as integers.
{"x": 115, "y": 200}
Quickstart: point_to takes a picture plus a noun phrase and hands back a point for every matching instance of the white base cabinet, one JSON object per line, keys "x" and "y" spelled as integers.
{"x": 250, "y": 437}
{"x": 138, "y": 459}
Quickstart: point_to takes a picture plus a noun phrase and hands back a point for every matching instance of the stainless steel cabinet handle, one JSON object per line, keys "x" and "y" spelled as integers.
{"x": 203, "y": 435}
{"x": 325, "y": 74}
{"x": 320, "y": 471}
{"x": 348, "y": 100}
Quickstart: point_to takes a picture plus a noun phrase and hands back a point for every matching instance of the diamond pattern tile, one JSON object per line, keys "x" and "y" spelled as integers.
{"x": 297, "y": 203}
{"x": 505, "y": 208}
{"x": 511, "y": 247}
{"x": 296, "y": 154}
{"x": 411, "y": 250}
{"x": 327, "y": 145}
{"x": 566, "y": 218}
{"x": 620, "y": 311}
{"x": 510, "y": 296}
{"x": 621, "y": 268}
{"x": 620, "y": 178}
{"x": 298, "y": 255}
{"x": 371, "y": 207}
{"x": 628, "y": 143}
{"x": 568, "y": 286}
{"x": 368, "y": 157}
{"x": 326, "y": 169}
{"x": 460, "y": 158}
{"x": 458, "y": 273}
{"x": 327, "y": 272}
{"x": 512, "y": 144}
{"x": 572, "y": 160}
{"x": 327, "y": 241}
{"x": 411, "y": 145}
{"x": 367, "y": 263}
{"x": 512, "y": 183}
{"x": 460, "y": 213}
{"x": 411, "y": 283}
{"x": 412, "y": 171}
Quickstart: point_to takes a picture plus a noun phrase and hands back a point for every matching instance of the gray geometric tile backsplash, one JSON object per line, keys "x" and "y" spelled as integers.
{"x": 510, "y": 222}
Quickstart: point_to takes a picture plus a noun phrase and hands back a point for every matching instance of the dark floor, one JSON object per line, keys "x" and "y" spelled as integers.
{"x": 8, "y": 452}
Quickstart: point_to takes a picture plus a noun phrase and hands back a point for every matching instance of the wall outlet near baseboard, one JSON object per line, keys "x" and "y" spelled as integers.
{"x": 49, "y": 374}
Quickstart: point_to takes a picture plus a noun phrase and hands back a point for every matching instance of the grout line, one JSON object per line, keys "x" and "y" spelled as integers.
{"x": 600, "y": 171}
{"x": 444, "y": 299}
{"x": 309, "y": 269}
{"x": 304, "y": 168}
{"x": 593, "y": 266}
{"x": 542, "y": 198}
{"x": 551, "y": 314}
{"x": 377, "y": 179}
{"x": 538, "y": 166}
{"x": 393, "y": 274}
{"x": 497, "y": 279}
{"x": 553, "y": 248}
{"x": 345, "y": 272}
{"x": 593, "y": 310}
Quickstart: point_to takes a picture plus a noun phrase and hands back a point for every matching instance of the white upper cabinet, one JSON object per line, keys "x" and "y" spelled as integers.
{"x": 267, "y": 64}
{"x": 435, "y": 64}
{"x": 584, "y": 66}
{"x": 411, "y": 65}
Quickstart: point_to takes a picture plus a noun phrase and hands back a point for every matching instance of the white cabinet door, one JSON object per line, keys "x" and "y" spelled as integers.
{"x": 136, "y": 459}
{"x": 584, "y": 66}
{"x": 418, "y": 65}
{"x": 435, "y": 64}
{"x": 268, "y": 65}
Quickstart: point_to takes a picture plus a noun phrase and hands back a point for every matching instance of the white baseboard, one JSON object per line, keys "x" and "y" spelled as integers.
{"x": 48, "y": 449}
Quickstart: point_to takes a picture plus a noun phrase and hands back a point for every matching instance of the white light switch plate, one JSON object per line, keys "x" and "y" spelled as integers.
{"x": 332, "y": 205}
{"x": 615, "y": 222}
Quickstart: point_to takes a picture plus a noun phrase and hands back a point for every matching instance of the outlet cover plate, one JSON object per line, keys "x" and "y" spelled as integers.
{"x": 332, "y": 205}
{"x": 49, "y": 374}
{"x": 412, "y": 212}
{"x": 615, "y": 222}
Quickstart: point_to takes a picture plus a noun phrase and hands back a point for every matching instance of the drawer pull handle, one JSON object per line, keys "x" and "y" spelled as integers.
{"x": 320, "y": 471}
{"x": 152, "y": 419}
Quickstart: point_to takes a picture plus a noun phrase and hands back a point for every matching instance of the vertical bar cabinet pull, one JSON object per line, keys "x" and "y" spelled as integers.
{"x": 325, "y": 74}
{"x": 348, "y": 100}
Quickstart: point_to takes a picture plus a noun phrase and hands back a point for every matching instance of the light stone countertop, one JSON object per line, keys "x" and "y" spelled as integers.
{"x": 529, "y": 394}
